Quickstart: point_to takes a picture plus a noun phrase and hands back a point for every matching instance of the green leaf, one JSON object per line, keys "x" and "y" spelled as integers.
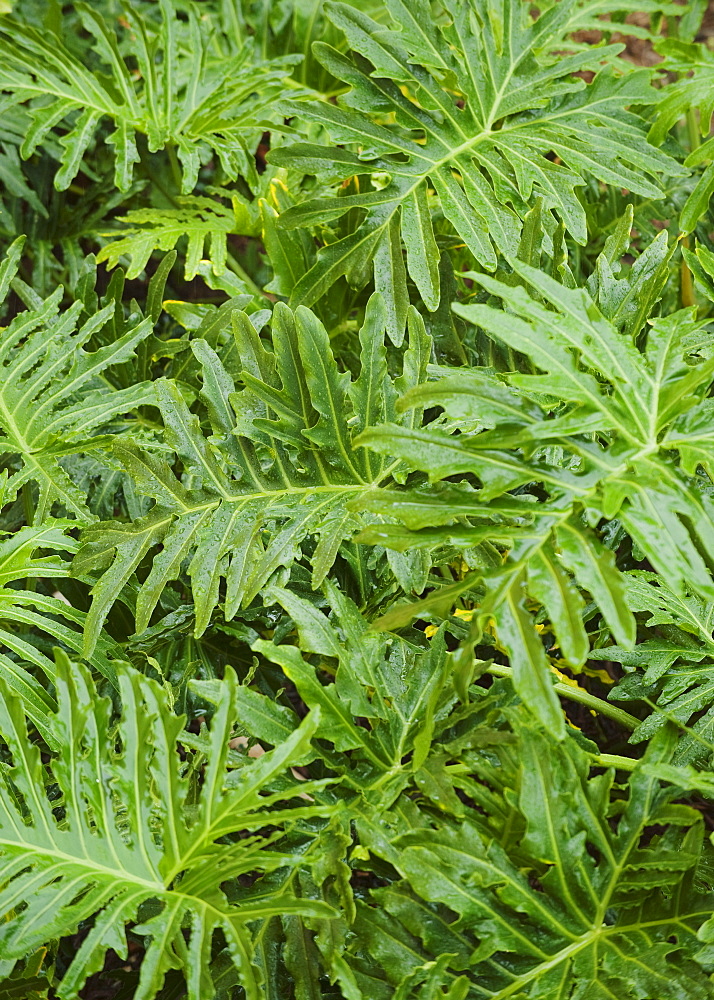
{"x": 694, "y": 65}
{"x": 481, "y": 108}
{"x": 197, "y": 219}
{"x": 531, "y": 677}
{"x": 598, "y": 435}
{"x": 52, "y": 616}
{"x": 275, "y": 455}
{"x": 53, "y": 395}
{"x": 105, "y": 860}
{"x": 397, "y": 688}
{"x": 595, "y": 569}
{"x": 189, "y": 100}
{"x": 572, "y": 905}
{"x": 551, "y": 585}
{"x": 697, "y": 204}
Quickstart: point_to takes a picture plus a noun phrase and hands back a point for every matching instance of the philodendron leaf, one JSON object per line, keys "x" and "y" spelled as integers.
{"x": 24, "y": 613}
{"x": 124, "y": 852}
{"x": 189, "y": 100}
{"x": 53, "y": 400}
{"x": 477, "y": 114}
{"x": 604, "y": 427}
{"x": 394, "y": 688}
{"x": 357, "y": 557}
{"x": 574, "y": 904}
{"x": 265, "y": 466}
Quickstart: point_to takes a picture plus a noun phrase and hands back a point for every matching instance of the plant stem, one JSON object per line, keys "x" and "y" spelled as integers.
{"x": 581, "y": 696}
{"x": 156, "y": 179}
{"x": 28, "y": 503}
{"x": 693, "y": 132}
{"x": 614, "y": 760}
{"x": 239, "y": 272}
{"x": 687, "y": 285}
{"x": 175, "y": 168}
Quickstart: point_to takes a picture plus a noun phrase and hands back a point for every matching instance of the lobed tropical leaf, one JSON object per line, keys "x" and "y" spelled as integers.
{"x": 602, "y": 441}
{"x": 275, "y": 467}
{"x": 573, "y": 905}
{"x": 32, "y": 622}
{"x": 397, "y": 688}
{"x": 53, "y": 395}
{"x": 197, "y": 219}
{"x": 124, "y": 851}
{"x": 476, "y": 114}
{"x": 188, "y": 101}
{"x": 395, "y": 598}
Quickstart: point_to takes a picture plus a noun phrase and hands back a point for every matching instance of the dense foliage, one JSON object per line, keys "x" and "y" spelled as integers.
{"x": 357, "y": 500}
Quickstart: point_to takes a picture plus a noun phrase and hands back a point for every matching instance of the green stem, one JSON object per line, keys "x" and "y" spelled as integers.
{"x": 614, "y": 760}
{"x": 581, "y": 696}
{"x": 28, "y": 503}
{"x": 686, "y": 283}
{"x": 459, "y": 347}
{"x": 29, "y": 507}
{"x": 156, "y": 179}
{"x": 175, "y": 167}
{"x": 693, "y": 132}
{"x": 347, "y": 326}
{"x": 239, "y": 272}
